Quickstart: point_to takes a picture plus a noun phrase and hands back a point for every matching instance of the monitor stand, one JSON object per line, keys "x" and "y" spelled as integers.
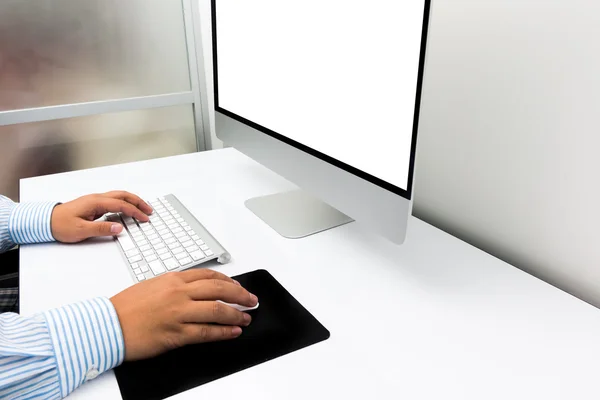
{"x": 296, "y": 214}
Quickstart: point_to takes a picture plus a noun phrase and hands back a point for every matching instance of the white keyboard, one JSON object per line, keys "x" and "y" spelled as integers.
{"x": 173, "y": 240}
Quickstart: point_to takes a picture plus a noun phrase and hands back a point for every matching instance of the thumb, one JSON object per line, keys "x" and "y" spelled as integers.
{"x": 94, "y": 229}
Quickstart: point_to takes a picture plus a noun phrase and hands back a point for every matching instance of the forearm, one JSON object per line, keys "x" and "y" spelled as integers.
{"x": 50, "y": 355}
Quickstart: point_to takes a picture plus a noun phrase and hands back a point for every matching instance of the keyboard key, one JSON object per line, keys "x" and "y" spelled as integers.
{"x": 185, "y": 261}
{"x": 162, "y": 250}
{"x": 189, "y": 249}
{"x": 204, "y": 247}
{"x": 157, "y": 267}
{"x": 131, "y": 253}
{"x": 196, "y": 237}
{"x": 177, "y": 230}
{"x": 148, "y": 253}
{"x": 181, "y": 255}
{"x": 135, "y": 265}
{"x": 125, "y": 241}
{"x": 191, "y": 233}
{"x": 170, "y": 208}
{"x": 177, "y": 250}
{"x": 160, "y": 246}
{"x": 155, "y": 241}
{"x": 180, "y": 220}
{"x": 145, "y": 268}
{"x": 152, "y": 236}
{"x": 179, "y": 235}
{"x": 169, "y": 221}
{"x": 135, "y": 259}
{"x": 209, "y": 253}
{"x": 159, "y": 226}
{"x": 183, "y": 239}
{"x": 165, "y": 256}
{"x": 197, "y": 255}
{"x": 137, "y": 271}
{"x": 137, "y": 235}
{"x": 184, "y": 224}
{"x": 151, "y": 258}
{"x": 187, "y": 228}
{"x": 171, "y": 264}
{"x": 176, "y": 214}
{"x": 145, "y": 248}
{"x": 164, "y": 232}
{"x": 171, "y": 241}
{"x": 142, "y": 243}
{"x": 141, "y": 278}
{"x": 187, "y": 243}
{"x": 199, "y": 242}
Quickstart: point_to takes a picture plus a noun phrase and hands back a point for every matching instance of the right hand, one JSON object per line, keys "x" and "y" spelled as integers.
{"x": 180, "y": 308}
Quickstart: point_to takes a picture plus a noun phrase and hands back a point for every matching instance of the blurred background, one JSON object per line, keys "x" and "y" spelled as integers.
{"x": 62, "y": 52}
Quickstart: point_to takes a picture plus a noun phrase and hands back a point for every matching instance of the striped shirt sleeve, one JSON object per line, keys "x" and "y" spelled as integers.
{"x": 24, "y": 223}
{"x": 49, "y": 355}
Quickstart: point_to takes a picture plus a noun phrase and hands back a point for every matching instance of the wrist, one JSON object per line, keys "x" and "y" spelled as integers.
{"x": 55, "y": 222}
{"x": 31, "y": 222}
{"x": 87, "y": 341}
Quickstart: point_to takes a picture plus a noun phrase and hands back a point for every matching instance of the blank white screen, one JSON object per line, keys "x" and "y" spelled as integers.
{"x": 339, "y": 76}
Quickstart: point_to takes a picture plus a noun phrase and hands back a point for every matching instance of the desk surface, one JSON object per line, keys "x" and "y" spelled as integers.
{"x": 434, "y": 318}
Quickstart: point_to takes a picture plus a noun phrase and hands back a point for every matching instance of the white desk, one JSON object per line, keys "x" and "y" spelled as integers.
{"x": 432, "y": 319}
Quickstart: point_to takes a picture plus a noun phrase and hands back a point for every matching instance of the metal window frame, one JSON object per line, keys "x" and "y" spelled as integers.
{"x": 196, "y": 97}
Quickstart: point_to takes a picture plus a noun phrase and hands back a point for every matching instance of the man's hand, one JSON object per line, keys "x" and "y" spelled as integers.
{"x": 177, "y": 309}
{"x": 75, "y": 221}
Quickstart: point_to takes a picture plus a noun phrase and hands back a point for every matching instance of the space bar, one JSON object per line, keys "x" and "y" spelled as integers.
{"x": 123, "y": 238}
{"x": 125, "y": 241}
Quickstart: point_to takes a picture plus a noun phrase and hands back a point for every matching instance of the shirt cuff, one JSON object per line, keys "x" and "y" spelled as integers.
{"x": 87, "y": 340}
{"x": 31, "y": 223}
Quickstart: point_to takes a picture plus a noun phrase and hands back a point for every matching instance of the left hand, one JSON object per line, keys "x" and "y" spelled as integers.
{"x": 75, "y": 221}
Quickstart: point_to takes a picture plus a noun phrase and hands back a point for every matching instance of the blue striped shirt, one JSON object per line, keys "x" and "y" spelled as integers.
{"x": 49, "y": 355}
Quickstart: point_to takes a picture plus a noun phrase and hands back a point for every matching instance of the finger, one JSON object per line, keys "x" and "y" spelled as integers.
{"x": 217, "y": 289}
{"x": 130, "y": 198}
{"x": 214, "y": 312}
{"x": 96, "y": 229}
{"x": 203, "y": 333}
{"x": 107, "y": 204}
{"x": 192, "y": 275}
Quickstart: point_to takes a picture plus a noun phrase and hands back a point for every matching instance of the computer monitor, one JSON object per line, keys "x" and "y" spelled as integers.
{"x": 325, "y": 93}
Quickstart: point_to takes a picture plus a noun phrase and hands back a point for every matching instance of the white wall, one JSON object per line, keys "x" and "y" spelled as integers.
{"x": 508, "y": 153}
